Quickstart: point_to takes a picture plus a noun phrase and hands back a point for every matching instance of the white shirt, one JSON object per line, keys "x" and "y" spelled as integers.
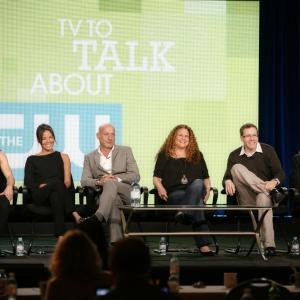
{"x": 106, "y": 161}
{"x": 258, "y": 149}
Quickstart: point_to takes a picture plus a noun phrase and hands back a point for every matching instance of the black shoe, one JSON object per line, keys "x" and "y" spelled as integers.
{"x": 277, "y": 197}
{"x": 270, "y": 251}
{"x": 183, "y": 218}
{"x": 90, "y": 220}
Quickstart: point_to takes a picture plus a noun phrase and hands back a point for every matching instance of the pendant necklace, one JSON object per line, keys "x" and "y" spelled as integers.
{"x": 184, "y": 179}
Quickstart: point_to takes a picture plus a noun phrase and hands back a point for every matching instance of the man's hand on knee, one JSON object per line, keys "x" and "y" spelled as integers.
{"x": 270, "y": 185}
{"x": 229, "y": 187}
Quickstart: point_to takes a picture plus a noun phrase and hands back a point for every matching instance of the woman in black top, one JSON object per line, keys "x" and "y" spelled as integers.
{"x": 181, "y": 177}
{"x": 6, "y": 189}
{"x": 48, "y": 179}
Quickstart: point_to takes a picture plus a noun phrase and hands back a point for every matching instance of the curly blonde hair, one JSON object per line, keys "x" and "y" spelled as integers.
{"x": 75, "y": 256}
{"x": 193, "y": 153}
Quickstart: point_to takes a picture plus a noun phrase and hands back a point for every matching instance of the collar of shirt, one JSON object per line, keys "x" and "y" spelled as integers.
{"x": 258, "y": 149}
{"x": 106, "y": 162}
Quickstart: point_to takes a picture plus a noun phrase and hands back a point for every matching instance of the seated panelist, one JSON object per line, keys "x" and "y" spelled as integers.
{"x": 181, "y": 178}
{"x": 48, "y": 179}
{"x": 114, "y": 168}
{"x": 6, "y": 189}
{"x": 254, "y": 171}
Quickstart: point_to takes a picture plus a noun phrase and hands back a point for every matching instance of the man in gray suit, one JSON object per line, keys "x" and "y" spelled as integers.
{"x": 114, "y": 168}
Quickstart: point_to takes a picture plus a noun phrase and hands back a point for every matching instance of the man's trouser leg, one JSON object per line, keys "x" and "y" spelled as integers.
{"x": 251, "y": 191}
{"x": 113, "y": 194}
{"x": 267, "y": 229}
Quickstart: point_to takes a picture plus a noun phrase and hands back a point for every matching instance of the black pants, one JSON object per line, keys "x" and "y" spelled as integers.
{"x": 91, "y": 200}
{"x": 59, "y": 198}
{"x": 4, "y": 212}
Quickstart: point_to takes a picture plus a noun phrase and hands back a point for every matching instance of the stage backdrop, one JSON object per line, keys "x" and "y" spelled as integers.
{"x": 144, "y": 66}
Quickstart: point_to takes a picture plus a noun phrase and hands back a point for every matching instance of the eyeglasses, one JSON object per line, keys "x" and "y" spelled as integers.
{"x": 248, "y": 136}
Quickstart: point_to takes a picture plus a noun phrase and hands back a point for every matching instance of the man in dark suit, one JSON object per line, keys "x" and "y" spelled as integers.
{"x": 6, "y": 189}
{"x": 254, "y": 171}
{"x": 113, "y": 168}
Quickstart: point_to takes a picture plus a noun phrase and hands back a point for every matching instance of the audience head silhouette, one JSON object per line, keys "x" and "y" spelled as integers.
{"x": 129, "y": 258}
{"x": 75, "y": 256}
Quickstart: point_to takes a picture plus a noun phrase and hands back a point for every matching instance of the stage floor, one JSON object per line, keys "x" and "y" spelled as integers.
{"x": 194, "y": 267}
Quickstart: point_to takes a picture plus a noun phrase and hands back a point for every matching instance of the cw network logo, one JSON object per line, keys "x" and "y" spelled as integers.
{"x": 74, "y": 125}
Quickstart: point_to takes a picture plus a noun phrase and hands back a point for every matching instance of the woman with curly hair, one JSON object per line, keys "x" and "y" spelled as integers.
{"x": 76, "y": 269}
{"x": 181, "y": 178}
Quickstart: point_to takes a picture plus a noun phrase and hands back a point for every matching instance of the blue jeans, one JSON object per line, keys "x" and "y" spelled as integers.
{"x": 192, "y": 195}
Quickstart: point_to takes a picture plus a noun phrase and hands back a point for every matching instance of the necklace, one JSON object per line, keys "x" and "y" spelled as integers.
{"x": 184, "y": 179}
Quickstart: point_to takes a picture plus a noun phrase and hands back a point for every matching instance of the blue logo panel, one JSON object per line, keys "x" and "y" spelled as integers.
{"x": 74, "y": 125}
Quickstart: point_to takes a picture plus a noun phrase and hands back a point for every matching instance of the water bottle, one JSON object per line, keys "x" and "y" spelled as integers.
{"x": 162, "y": 246}
{"x": 135, "y": 195}
{"x": 11, "y": 287}
{"x": 3, "y": 282}
{"x": 20, "y": 248}
{"x": 173, "y": 281}
{"x": 174, "y": 266}
{"x": 295, "y": 249}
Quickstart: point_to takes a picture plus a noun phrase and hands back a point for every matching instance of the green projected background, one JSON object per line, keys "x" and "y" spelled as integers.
{"x": 149, "y": 64}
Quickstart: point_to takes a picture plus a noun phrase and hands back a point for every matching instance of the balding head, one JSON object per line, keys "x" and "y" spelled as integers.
{"x": 104, "y": 126}
{"x": 106, "y": 137}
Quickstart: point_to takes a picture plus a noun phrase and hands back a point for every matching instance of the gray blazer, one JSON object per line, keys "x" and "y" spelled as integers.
{"x": 123, "y": 166}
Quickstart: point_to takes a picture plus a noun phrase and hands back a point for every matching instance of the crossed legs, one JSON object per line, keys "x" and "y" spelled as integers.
{"x": 113, "y": 194}
{"x": 251, "y": 191}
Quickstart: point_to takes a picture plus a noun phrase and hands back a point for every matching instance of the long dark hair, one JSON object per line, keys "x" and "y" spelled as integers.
{"x": 40, "y": 131}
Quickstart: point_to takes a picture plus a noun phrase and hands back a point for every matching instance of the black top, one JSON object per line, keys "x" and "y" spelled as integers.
{"x": 295, "y": 172}
{"x": 2, "y": 181}
{"x": 42, "y": 169}
{"x": 171, "y": 171}
{"x": 265, "y": 165}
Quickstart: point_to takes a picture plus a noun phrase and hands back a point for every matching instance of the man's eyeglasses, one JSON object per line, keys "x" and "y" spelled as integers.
{"x": 248, "y": 136}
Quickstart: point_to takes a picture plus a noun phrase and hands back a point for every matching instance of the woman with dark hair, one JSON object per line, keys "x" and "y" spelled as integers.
{"x": 48, "y": 179}
{"x": 181, "y": 178}
{"x": 76, "y": 269}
